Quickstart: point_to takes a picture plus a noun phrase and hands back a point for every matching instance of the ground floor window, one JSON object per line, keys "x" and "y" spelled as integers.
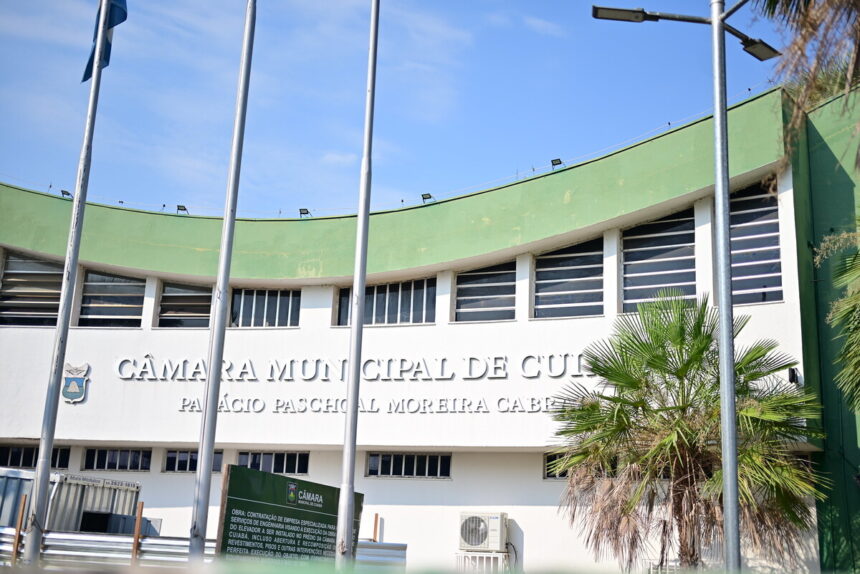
{"x": 549, "y": 461}
{"x": 186, "y": 461}
{"x": 117, "y": 459}
{"x": 408, "y": 465}
{"x": 17, "y": 456}
{"x": 278, "y": 462}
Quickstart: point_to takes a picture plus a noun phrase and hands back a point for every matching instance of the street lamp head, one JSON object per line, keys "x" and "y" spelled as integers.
{"x": 621, "y": 14}
{"x": 760, "y": 49}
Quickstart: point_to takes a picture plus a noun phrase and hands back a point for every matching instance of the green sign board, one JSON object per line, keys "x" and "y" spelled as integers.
{"x": 267, "y": 515}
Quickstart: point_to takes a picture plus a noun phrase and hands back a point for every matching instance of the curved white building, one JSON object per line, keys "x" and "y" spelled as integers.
{"x": 478, "y": 311}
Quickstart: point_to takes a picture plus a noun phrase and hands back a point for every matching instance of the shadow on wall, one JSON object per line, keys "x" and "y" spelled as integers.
{"x": 516, "y": 545}
{"x": 834, "y": 197}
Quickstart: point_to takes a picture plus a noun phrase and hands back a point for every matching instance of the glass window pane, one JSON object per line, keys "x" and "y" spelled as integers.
{"x": 430, "y": 315}
{"x": 15, "y": 456}
{"x": 259, "y": 308}
{"x": 283, "y": 308}
{"x": 385, "y": 467}
{"x": 266, "y": 465}
{"x": 235, "y": 307}
{"x": 421, "y": 465}
{"x": 373, "y": 465}
{"x": 304, "y": 460}
{"x": 63, "y": 461}
{"x": 397, "y": 465}
{"x": 182, "y": 461}
{"x": 369, "y": 300}
{"x": 101, "y": 459}
{"x": 28, "y": 457}
{"x": 295, "y": 308}
{"x": 393, "y": 303}
{"x": 271, "y": 309}
{"x": 134, "y": 460}
{"x": 280, "y": 459}
{"x": 418, "y": 302}
{"x": 445, "y": 465}
{"x": 256, "y": 459}
{"x": 145, "y": 459}
{"x": 432, "y": 465}
{"x": 123, "y": 460}
{"x": 409, "y": 465}
{"x": 343, "y": 307}
{"x": 247, "y": 307}
{"x": 405, "y": 302}
{"x": 379, "y": 310}
{"x": 90, "y": 459}
{"x": 217, "y": 461}
{"x": 243, "y": 459}
{"x": 292, "y": 464}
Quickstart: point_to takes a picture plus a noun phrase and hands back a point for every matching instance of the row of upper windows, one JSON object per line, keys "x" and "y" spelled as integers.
{"x": 378, "y": 464}
{"x": 568, "y": 282}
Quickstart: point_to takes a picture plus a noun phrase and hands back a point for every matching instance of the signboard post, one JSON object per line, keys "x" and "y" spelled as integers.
{"x": 266, "y": 515}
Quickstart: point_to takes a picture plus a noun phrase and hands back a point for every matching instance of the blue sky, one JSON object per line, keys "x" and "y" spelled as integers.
{"x": 470, "y": 94}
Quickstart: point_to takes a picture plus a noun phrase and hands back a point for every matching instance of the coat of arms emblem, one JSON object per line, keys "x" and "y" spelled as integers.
{"x": 75, "y": 383}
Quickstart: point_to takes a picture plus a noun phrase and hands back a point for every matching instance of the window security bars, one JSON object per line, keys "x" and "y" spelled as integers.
{"x": 407, "y": 302}
{"x": 111, "y": 301}
{"x": 30, "y": 291}
{"x": 487, "y": 294}
{"x": 117, "y": 459}
{"x": 408, "y": 465}
{"x": 265, "y": 308}
{"x": 184, "y": 306}
{"x": 548, "y": 460}
{"x": 569, "y": 282}
{"x": 657, "y": 256}
{"x": 756, "y": 267}
{"x": 278, "y": 462}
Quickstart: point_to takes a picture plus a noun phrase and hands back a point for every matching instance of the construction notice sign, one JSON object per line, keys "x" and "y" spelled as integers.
{"x": 267, "y": 515}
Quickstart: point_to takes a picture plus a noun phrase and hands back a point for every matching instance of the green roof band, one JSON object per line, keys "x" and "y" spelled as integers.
{"x": 435, "y": 235}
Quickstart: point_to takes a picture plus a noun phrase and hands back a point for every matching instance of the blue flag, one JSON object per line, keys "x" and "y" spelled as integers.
{"x": 117, "y": 14}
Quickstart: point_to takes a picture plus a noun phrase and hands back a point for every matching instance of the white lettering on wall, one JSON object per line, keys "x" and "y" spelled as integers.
{"x": 552, "y": 366}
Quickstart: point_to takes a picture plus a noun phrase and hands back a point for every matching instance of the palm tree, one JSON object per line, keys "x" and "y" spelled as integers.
{"x": 845, "y": 311}
{"x": 642, "y": 450}
{"x": 823, "y": 53}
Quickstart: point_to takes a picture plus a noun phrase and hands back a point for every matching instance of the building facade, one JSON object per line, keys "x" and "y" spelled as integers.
{"x": 477, "y": 312}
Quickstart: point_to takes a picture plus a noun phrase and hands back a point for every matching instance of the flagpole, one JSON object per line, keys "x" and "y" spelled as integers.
{"x": 39, "y": 505}
{"x": 206, "y": 451}
{"x": 346, "y": 503}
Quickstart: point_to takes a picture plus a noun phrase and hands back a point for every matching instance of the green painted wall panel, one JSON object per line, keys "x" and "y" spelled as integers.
{"x": 835, "y": 199}
{"x": 648, "y": 173}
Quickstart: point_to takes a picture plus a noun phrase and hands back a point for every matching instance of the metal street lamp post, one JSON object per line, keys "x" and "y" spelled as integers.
{"x": 723, "y": 265}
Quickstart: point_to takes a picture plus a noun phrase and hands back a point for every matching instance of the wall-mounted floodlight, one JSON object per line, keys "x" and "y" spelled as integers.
{"x": 182, "y": 208}
{"x": 555, "y": 163}
{"x": 425, "y": 197}
{"x": 303, "y": 212}
{"x": 760, "y": 49}
{"x": 621, "y": 14}
{"x": 65, "y": 193}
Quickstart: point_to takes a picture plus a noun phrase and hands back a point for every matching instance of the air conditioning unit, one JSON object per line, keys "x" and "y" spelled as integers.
{"x": 483, "y": 532}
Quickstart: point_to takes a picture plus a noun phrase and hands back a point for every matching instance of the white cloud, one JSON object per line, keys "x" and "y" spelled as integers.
{"x": 543, "y": 27}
